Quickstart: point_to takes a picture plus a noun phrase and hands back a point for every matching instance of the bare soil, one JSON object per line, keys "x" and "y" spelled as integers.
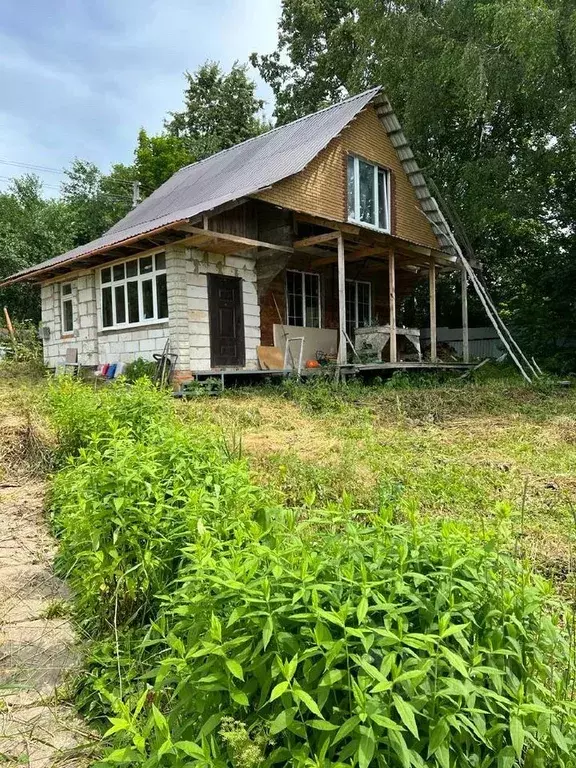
{"x": 39, "y": 651}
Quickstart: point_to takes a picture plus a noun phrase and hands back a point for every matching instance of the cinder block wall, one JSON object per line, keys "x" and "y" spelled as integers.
{"x": 198, "y": 266}
{"x": 187, "y": 327}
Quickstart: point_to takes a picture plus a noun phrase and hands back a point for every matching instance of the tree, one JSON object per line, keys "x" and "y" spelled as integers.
{"x": 32, "y": 229}
{"x": 157, "y": 158}
{"x": 220, "y": 110}
{"x": 486, "y": 93}
{"x": 96, "y": 201}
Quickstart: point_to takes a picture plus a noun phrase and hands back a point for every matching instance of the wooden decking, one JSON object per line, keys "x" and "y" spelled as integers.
{"x": 238, "y": 377}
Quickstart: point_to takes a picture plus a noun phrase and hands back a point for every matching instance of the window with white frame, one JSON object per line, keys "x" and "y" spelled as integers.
{"x": 303, "y": 298}
{"x": 358, "y": 305}
{"x": 368, "y": 194}
{"x": 134, "y": 292}
{"x": 66, "y": 308}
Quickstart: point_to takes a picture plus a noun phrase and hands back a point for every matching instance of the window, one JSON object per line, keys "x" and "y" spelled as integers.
{"x": 134, "y": 292}
{"x": 358, "y": 305}
{"x": 67, "y": 308}
{"x": 303, "y": 298}
{"x": 368, "y": 194}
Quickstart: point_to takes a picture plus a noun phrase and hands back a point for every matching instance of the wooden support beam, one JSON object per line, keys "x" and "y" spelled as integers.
{"x": 341, "y": 301}
{"x": 358, "y": 255}
{"x": 465, "y": 333}
{"x": 433, "y": 331}
{"x": 392, "y": 302}
{"x": 316, "y": 239}
{"x": 348, "y": 229}
{"x": 241, "y": 241}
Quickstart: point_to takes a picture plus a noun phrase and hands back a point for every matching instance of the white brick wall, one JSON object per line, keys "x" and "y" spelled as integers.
{"x": 188, "y": 326}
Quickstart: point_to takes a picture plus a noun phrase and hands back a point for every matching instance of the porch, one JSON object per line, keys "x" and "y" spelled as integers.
{"x": 337, "y": 263}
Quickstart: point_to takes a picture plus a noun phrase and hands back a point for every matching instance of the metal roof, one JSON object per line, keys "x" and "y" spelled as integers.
{"x": 245, "y": 169}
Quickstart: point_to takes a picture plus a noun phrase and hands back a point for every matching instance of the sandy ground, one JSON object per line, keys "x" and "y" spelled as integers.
{"x": 38, "y": 648}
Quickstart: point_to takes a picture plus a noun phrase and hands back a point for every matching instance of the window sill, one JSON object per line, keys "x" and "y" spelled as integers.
{"x": 369, "y": 226}
{"x": 67, "y": 335}
{"x": 135, "y": 327}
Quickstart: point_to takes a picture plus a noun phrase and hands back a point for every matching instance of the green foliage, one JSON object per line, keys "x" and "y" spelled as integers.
{"x": 233, "y": 633}
{"x": 156, "y": 158}
{"x": 220, "y": 110}
{"x": 26, "y": 346}
{"x": 95, "y": 201}
{"x": 32, "y": 229}
{"x": 139, "y": 368}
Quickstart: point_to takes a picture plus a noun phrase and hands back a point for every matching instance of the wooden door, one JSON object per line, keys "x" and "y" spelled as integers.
{"x": 226, "y": 321}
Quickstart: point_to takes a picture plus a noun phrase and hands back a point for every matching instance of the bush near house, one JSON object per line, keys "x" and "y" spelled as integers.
{"x": 230, "y": 631}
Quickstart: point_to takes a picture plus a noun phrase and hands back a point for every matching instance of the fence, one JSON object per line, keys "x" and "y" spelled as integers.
{"x": 484, "y": 342}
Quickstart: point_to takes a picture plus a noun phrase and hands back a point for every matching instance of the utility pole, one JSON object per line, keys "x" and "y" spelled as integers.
{"x": 135, "y": 193}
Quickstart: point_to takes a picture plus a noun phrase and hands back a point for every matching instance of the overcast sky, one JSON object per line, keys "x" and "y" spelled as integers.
{"x": 78, "y": 78}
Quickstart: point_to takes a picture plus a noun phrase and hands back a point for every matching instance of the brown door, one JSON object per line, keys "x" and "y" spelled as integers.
{"x": 226, "y": 321}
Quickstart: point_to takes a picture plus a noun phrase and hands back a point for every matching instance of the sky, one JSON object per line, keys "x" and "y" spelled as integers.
{"x": 79, "y": 78}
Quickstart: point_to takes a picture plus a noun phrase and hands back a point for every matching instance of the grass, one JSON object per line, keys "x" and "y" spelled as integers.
{"x": 469, "y": 451}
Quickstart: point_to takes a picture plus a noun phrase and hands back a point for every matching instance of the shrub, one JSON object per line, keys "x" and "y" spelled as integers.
{"x": 139, "y": 369}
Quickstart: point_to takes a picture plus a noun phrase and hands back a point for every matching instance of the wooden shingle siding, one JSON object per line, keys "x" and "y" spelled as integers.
{"x": 320, "y": 189}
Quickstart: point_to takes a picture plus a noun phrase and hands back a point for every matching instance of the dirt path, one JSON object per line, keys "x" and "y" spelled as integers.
{"x": 38, "y": 648}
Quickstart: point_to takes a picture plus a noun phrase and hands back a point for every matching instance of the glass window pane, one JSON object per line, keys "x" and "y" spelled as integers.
{"x": 120, "y": 301}
{"x": 105, "y": 275}
{"x": 382, "y": 199}
{"x": 147, "y": 300}
{"x": 146, "y": 265}
{"x": 160, "y": 261}
{"x": 67, "y": 317}
{"x": 367, "y": 196}
{"x": 351, "y": 196}
{"x": 294, "y": 295}
{"x": 67, "y": 289}
{"x": 107, "y": 320}
{"x": 118, "y": 272}
{"x": 133, "y": 310}
{"x": 132, "y": 268}
{"x": 312, "y": 308}
{"x": 161, "y": 296}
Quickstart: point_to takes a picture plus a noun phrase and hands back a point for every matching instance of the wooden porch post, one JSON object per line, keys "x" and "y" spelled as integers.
{"x": 433, "y": 333}
{"x": 392, "y": 303}
{"x": 465, "y": 334}
{"x": 341, "y": 301}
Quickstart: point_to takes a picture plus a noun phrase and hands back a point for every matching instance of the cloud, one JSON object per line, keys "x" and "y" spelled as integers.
{"x": 78, "y": 79}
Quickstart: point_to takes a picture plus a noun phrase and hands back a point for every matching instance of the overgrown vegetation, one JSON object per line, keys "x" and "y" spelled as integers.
{"x": 229, "y": 629}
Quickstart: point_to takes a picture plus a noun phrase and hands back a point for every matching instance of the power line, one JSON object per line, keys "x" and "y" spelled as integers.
{"x": 54, "y": 186}
{"x": 46, "y": 169}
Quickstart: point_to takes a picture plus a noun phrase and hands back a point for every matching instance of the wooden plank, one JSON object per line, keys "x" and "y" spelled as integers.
{"x": 315, "y": 239}
{"x": 237, "y": 239}
{"x": 349, "y": 229}
{"x": 392, "y": 300}
{"x": 341, "y": 301}
{"x": 465, "y": 333}
{"x": 433, "y": 331}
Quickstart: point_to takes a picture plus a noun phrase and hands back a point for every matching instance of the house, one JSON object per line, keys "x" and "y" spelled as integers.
{"x": 314, "y": 230}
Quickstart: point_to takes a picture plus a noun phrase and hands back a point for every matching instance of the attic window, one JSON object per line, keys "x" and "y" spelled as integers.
{"x": 368, "y": 194}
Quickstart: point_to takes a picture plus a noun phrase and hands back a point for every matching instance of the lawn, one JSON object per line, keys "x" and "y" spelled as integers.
{"x": 485, "y": 451}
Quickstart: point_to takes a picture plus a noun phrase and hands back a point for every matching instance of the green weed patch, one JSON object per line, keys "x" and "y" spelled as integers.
{"x": 229, "y": 631}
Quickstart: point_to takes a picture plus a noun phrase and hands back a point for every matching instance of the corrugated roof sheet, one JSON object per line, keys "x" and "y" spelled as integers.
{"x": 244, "y": 170}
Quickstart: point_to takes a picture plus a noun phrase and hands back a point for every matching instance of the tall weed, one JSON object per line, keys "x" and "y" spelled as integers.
{"x": 231, "y": 633}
